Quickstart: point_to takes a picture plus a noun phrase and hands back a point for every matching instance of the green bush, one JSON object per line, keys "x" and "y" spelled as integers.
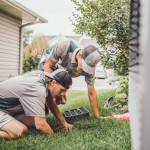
{"x": 30, "y": 63}
{"x": 116, "y": 78}
{"x": 120, "y": 99}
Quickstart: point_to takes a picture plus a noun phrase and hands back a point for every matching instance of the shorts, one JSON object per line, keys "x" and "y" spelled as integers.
{"x": 4, "y": 118}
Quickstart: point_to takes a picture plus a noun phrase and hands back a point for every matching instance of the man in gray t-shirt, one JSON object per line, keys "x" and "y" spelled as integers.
{"x": 77, "y": 60}
{"x": 23, "y": 102}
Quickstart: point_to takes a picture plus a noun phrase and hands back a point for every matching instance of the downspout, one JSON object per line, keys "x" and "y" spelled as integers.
{"x": 21, "y": 42}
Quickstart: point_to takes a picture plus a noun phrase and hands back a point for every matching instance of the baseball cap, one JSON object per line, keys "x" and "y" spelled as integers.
{"x": 91, "y": 56}
{"x": 61, "y": 76}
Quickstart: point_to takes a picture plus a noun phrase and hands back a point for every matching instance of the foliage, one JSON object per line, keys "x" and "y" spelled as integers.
{"x": 30, "y": 63}
{"x": 121, "y": 65}
{"x": 108, "y": 22}
{"x": 116, "y": 79}
{"x": 120, "y": 99}
{"x": 108, "y": 58}
{"x": 26, "y": 36}
{"x": 33, "y": 52}
{"x": 89, "y": 134}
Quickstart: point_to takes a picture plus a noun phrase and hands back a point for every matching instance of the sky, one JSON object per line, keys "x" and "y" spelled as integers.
{"x": 57, "y": 12}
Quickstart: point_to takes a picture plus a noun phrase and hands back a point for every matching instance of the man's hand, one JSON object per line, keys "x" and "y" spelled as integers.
{"x": 52, "y": 105}
{"x": 68, "y": 127}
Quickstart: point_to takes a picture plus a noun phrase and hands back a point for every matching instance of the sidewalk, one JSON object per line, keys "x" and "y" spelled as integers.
{"x": 80, "y": 84}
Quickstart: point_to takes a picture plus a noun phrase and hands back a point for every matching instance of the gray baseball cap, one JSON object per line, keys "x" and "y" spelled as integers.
{"x": 91, "y": 56}
{"x": 61, "y": 76}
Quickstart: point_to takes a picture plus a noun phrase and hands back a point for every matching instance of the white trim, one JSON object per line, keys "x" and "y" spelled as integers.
{"x": 22, "y": 10}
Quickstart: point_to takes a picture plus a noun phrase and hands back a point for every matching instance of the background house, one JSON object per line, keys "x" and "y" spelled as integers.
{"x": 13, "y": 17}
{"x": 83, "y": 40}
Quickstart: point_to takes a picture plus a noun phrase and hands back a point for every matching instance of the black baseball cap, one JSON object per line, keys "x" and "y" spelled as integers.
{"x": 91, "y": 56}
{"x": 61, "y": 76}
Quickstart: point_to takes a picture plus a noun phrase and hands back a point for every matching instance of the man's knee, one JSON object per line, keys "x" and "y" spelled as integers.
{"x": 10, "y": 127}
{"x": 20, "y": 132}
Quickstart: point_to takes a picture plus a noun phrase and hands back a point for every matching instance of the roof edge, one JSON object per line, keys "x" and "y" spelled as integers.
{"x": 25, "y": 10}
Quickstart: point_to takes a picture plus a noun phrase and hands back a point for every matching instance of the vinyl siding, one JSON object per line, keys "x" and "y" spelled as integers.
{"x": 9, "y": 46}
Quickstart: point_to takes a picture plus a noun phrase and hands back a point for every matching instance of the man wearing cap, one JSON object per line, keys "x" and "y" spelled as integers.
{"x": 78, "y": 61}
{"x": 23, "y": 100}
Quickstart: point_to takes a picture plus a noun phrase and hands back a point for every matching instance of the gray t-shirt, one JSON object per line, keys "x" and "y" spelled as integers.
{"x": 62, "y": 53}
{"x": 23, "y": 94}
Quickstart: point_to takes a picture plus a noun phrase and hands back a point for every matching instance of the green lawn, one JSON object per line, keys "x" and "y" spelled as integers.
{"x": 89, "y": 134}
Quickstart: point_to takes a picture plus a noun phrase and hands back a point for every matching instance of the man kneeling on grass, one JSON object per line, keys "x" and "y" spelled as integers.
{"x": 23, "y": 102}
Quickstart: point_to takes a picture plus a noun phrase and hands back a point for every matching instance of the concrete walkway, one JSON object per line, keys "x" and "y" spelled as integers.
{"x": 80, "y": 84}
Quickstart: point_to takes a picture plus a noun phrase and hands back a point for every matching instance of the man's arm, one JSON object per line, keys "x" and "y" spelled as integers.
{"x": 48, "y": 66}
{"x": 42, "y": 125}
{"x": 93, "y": 100}
{"x": 52, "y": 105}
{"x": 59, "y": 50}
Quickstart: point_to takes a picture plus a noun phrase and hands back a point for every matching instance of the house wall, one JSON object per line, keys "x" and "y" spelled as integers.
{"x": 9, "y": 46}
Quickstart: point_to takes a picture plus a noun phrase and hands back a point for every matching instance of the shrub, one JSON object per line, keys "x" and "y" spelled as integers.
{"x": 33, "y": 51}
{"x": 120, "y": 99}
{"x": 30, "y": 63}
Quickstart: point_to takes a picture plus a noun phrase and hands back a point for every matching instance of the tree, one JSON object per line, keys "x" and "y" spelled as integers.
{"x": 108, "y": 57}
{"x": 121, "y": 63}
{"x": 33, "y": 52}
{"x": 26, "y": 36}
{"x": 105, "y": 20}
